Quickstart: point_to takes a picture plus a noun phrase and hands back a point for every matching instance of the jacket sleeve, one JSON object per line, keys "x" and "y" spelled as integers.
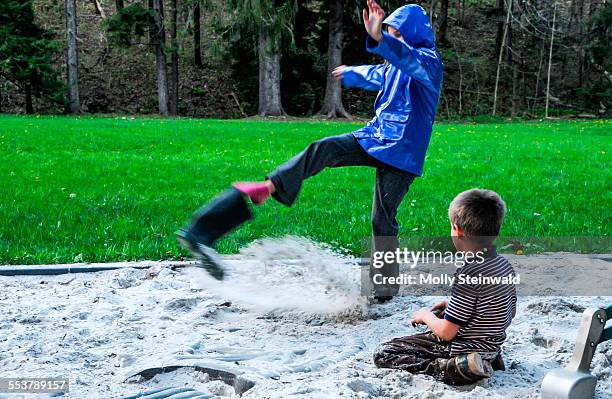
{"x": 406, "y": 58}
{"x": 368, "y": 77}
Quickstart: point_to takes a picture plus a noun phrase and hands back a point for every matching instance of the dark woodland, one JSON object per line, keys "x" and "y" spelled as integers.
{"x": 232, "y": 59}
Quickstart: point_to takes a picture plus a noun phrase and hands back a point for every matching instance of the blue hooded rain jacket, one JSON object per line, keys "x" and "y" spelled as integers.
{"x": 408, "y": 86}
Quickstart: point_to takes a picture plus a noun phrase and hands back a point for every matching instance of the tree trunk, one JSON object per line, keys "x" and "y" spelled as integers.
{"x": 28, "y": 99}
{"x": 269, "y": 75}
{"x": 432, "y": 9}
{"x": 152, "y": 28}
{"x": 159, "y": 35}
{"x": 119, "y": 4}
{"x": 460, "y": 80}
{"x": 510, "y": 57}
{"x": 501, "y": 57}
{"x": 332, "y": 104}
{"x": 514, "y": 97}
{"x": 174, "y": 60}
{"x": 537, "y": 85}
{"x": 99, "y": 9}
{"x": 72, "y": 57}
{"x": 197, "y": 47}
{"x": 523, "y": 101}
{"x": 580, "y": 18}
{"x": 500, "y": 27}
{"x": 552, "y": 39}
{"x": 443, "y": 26}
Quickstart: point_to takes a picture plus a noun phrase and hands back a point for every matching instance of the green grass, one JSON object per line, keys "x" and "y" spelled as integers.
{"x": 106, "y": 189}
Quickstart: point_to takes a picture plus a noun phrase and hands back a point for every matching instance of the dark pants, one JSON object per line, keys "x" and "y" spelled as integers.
{"x": 392, "y": 184}
{"x": 425, "y": 354}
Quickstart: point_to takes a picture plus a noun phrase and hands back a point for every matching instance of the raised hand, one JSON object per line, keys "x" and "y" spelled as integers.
{"x": 337, "y": 72}
{"x": 373, "y": 19}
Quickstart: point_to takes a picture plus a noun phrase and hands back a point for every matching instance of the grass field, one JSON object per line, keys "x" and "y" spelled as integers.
{"x": 105, "y": 189}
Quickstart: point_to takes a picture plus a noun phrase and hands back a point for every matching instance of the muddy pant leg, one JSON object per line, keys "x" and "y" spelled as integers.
{"x": 391, "y": 186}
{"x": 330, "y": 152}
{"x": 416, "y": 353}
{"x": 426, "y": 354}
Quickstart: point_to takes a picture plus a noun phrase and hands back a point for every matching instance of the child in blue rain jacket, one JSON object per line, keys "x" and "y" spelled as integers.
{"x": 394, "y": 142}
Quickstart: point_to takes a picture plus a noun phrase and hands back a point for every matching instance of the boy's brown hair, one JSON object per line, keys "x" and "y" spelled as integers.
{"x": 479, "y": 213}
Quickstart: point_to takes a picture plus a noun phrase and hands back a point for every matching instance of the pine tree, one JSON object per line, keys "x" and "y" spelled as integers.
{"x": 72, "y": 60}
{"x": 26, "y": 54}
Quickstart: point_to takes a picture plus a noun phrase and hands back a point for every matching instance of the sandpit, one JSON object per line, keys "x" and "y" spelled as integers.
{"x": 292, "y": 322}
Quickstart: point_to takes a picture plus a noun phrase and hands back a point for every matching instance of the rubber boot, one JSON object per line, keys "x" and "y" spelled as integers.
{"x": 466, "y": 369}
{"x": 213, "y": 221}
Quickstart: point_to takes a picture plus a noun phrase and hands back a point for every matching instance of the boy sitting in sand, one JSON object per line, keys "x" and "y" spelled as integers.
{"x": 464, "y": 340}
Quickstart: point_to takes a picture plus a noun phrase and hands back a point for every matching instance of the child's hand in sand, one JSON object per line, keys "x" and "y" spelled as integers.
{"x": 419, "y": 316}
{"x": 439, "y": 308}
{"x": 337, "y": 72}
{"x": 373, "y": 20}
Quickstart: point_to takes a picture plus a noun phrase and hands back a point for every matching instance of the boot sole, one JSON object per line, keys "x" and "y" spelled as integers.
{"x": 208, "y": 257}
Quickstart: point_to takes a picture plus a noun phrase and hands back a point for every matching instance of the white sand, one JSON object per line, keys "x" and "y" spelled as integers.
{"x": 296, "y": 326}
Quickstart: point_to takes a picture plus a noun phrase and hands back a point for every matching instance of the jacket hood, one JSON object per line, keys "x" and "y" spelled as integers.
{"x": 413, "y": 23}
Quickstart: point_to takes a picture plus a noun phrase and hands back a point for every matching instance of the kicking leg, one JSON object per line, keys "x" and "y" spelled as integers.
{"x": 230, "y": 209}
{"x": 285, "y": 183}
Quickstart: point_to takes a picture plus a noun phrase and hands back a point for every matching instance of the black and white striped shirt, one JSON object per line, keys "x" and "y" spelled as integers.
{"x": 483, "y": 309}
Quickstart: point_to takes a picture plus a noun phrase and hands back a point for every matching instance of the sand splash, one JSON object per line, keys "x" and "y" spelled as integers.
{"x": 289, "y": 273}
